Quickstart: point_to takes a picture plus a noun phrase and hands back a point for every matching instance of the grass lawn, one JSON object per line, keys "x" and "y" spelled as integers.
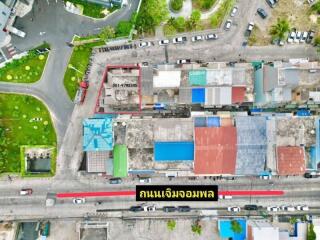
{"x": 79, "y": 60}
{"x": 27, "y": 69}
{"x": 299, "y": 16}
{"x": 217, "y": 18}
{"x": 18, "y": 127}
{"x": 203, "y": 5}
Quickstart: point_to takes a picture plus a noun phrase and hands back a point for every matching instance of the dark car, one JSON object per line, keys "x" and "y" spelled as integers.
{"x": 311, "y": 34}
{"x": 136, "y": 209}
{"x": 271, "y": 3}
{"x": 184, "y": 209}
{"x": 262, "y": 13}
{"x": 311, "y": 175}
{"x": 251, "y": 207}
{"x": 115, "y": 180}
{"x": 169, "y": 209}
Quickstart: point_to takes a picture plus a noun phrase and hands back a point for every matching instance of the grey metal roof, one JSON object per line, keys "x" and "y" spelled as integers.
{"x": 4, "y": 16}
{"x": 147, "y": 81}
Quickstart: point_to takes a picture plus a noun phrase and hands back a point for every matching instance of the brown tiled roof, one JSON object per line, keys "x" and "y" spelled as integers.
{"x": 291, "y": 160}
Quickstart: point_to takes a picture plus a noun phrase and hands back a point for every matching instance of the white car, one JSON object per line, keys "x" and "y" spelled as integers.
{"x": 297, "y": 38}
{"x": 302, "y": 208}
{"x": 144, "y": 44}
{"x": 178, "y": 40}
{"x": 304, "y": 37}
{"x": 291, "y": 37}
{"x": 225, "y": 197}
{"x": 227, "y": 25}
{"x": 183, "y": 61}
{"x": 78, "y": 200}
{"x": 145, "y": 180}
{"x": 197, "y": 38}
{"x": 289, "y": 208}
{"x": 272, "y": 209}
{"x": 164, "y": 42}
{"x": 265, "y": 177}
{"x": 211, "y": 36}
{"x": 234, "y": 11}
{"x": 234, "y": 209}
{"x": 149, "y": 208}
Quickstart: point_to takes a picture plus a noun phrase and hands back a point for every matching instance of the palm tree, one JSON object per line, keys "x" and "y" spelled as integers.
{"x": 279, "y": 30}
{"x": 236, "y": 227}
{"x": 171, "y": 225}
{"x": 196, "y": 227}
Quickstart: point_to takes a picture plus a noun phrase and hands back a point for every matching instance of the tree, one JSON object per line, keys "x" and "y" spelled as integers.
{"x": 107, "y": 33}
{"x": 279, "y": 30}
{"x": 311, "y": 235}
{"x": 169, "y": 30}
{"x": 180, "y": 24}
{"x": 176, "y": 5}
{"x": 316, "y": 7}
{"x": 196, "y": 227}
{"x": 293, "y": 220}
{"x": 194, "y": 19}
{"x": 171, "y": 224}
{"x": 123, "y": 28}
{"x": 236, "y": 227}
{"x": 151, "y": 14}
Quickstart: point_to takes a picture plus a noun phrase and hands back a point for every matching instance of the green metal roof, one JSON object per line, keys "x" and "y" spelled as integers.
{"x": 198, "y": 77}
{"x": 120, "y": 157}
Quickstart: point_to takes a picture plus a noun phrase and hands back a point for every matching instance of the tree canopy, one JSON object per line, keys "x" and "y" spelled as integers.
{"x": 279, "y": 29}
{"x": 236, "y": 227}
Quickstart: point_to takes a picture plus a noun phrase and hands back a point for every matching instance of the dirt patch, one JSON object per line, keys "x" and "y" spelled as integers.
{"x": 297, "y": 12}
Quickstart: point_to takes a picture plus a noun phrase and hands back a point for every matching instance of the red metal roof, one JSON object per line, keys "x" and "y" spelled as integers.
{"x": 238, "y": 94}
{"x": 215, "y": 150}
{"x": 291, "y": 160}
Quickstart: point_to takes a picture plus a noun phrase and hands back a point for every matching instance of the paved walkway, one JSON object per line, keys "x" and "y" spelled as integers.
{"x": 215, "y": 8}
{"x": 184, "y": 12}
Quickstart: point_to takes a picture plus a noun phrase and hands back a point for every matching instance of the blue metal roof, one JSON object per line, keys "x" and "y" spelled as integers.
{"x": 226, "y": 231}
{"x": 213, "y": 121}
{"x": 198, "y": 95}
{"x": 173, "y": 151}
{"x": 97, "y": 134}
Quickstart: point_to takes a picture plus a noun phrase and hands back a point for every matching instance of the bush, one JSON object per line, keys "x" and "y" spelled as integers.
{"x": 123, "y": 28}
{"x": 204, "y": 4}
{"x": 176, "y": 5}
{"x": 180, "y": 24}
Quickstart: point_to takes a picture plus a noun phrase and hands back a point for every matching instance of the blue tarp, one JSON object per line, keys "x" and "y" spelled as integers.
{"x": 313, "y": 158}
{"x": 213, "y": 121}
{"x": 173, "y": 151}
{"x": 226, "y": 231}
{"x": 198, "y": 95}
{"x": 303, "y": 113}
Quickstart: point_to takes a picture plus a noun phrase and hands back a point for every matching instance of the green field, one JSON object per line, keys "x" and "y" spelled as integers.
{"x": 27, "y": 69}
{"x": 18, "y": 127}
{"x": 77, "y": 67}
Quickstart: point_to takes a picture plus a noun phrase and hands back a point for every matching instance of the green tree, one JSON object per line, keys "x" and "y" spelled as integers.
{"x": 151, "y": 14}
{"x": 311, "y": 235}
{"x": 123, "y": 28}
{"x": 194, "y": 19}
{"x": 180, "y": 24}
{"x": 169, "y": 30}
{"x": 316, "y": 7}
{"x": 236, "y": 227}
{"x": 176, "y": 5}
{"x": 171, "y": 224}
{"x": 107, "y": 33}
{"x": 279, "y": 30}
{"x": 196, "y": 228}
{"x": 293, "y": 220}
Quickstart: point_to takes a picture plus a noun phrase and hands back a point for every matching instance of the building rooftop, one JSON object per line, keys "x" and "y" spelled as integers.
{"x": 4, "y": 16}
{"x": 215, "y": 150}
{"x": 262, "y": 230}
{"x": 290, "y": 161}
{"x": 97, "y": 134}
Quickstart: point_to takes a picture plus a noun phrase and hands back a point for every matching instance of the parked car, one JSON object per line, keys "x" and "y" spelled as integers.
{"x": 183, "y": 61}
{"x": 272, "y": 209}
{"x": 251, "y": 207}
{"x": 149, "y": 208}
{"x": 78, "y": 200}
{"x": 234, "y": 11}
{"x": 297, "y": 38}
{"x": 179, "y": 40}
{"x": 249, "y": 28}
{"x": 291, "y": 37}
{"x": 115, "y": 180}
{"x": 197, "y": 38}
{"x": 211, "y": 36}
{"x": 310, "y": 36}
{"x": 184, "y": 209}
{"x": 304, "y": 36}
{"x": 289, "y": 208}
{"x": 169, "y": 209}
{"x": 145, "y": 180}
{"x": 227, "y": 25}
{"x": 271, "y": 3}
{"x": 234, "y": 209}
{"x": 262, "y": 13}
{"x": 144, "y": 44}
{"x": 26, "y": 191}
{"x": 311, "y": 175}
{"x": 164, "y": 42}
{"x": 136, "y": 209}
{"x": 265, "y": 177}
{"x": 302, "y": 208}
{"x": 225, "y": 197}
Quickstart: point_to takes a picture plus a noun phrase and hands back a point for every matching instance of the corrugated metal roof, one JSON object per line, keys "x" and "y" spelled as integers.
{"x": 173, "y": 151}
{"x": 238, "y": 94}
{"x": 97, "y": 134}
{"x": 198, "y": 95}
{"x": 219, "y": 76}
{"x": 291, "y": 160}
{"x": 218, "y": 96}
{"x": 120, "y": 160}
{"x": 167, "y": 79}
{"x": 4, "y": 16}
{"x": 215, "y": 150}
{"x": 197, "y": 77}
